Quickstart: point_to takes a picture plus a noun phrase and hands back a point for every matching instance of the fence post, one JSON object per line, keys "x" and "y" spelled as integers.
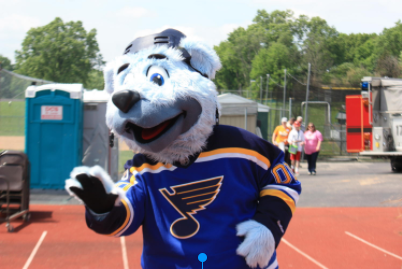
{"x": 284, "y": 97}
{"x": 307, "y": 93}
{"x": 267, "y": 86}
{"x": 245, "y": 119}
{"x": 290, "y": 107}
{"x": 261, "y": 89}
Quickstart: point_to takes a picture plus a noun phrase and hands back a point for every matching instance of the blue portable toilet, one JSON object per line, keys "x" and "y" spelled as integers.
{"x": 53, "y": 132}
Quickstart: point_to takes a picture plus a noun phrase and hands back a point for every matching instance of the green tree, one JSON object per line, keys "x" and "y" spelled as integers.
{"x": 318, "y": 44}
{"x": 272, "y": 61}
{"x": 95, "y": 80}
{"x": 236, "y": 55}
{"x": 389, "y": 42}
{"x": 242, "y": 46}
{"x": 388, "y": 65}
{"x": 60, "y": 52}
{"x": 6, "y": 63}
{"x": 278, "y": 26}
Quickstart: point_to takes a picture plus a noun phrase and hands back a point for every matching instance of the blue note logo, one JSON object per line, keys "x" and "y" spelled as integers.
{"x": 189, "y": 198}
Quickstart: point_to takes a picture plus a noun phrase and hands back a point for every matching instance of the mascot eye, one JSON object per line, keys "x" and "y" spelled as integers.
{"x": 157, "y": 78}
{"x": 157, "y": 75}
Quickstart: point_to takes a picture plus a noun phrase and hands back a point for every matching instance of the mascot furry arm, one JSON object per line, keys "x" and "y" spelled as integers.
{"x": 194, "y": 186}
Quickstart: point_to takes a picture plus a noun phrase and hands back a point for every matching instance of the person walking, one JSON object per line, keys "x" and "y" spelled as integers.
{"x": 280, "y": 135}
{"x": 296, "y": 142}
{"x": 312, "y": 148}
{"x": 302, "y": 127}
{"x": 290, "y": 123}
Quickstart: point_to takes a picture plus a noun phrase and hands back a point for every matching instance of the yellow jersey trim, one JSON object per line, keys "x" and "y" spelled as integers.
{"x": 125, "y": 221}
{"x": 149, "y": 166}
{"x": 237, "y": 150}
{"x": 280, "y": 194}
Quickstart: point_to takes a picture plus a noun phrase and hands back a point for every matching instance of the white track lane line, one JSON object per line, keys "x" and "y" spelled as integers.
{"x": 124, "y": 251}
{"x": 304, "y": 254}
{"x": 374, "y": 246}
{"x": 35, "y": 250}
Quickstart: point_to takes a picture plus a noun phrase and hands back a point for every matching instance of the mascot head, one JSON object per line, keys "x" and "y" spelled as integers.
{"x": 163, "y": 103}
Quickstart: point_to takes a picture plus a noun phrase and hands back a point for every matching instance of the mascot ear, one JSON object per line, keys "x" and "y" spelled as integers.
{"x": 203, "y": 57}
{"x": 108, "y": 73}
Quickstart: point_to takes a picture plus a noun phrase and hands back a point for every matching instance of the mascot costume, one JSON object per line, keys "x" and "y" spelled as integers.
{"x": 193, "y": 185}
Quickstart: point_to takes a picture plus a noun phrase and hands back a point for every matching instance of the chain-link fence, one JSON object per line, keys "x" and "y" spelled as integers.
{"x": 12, "y": 108}
{"x": 325, "y": 105}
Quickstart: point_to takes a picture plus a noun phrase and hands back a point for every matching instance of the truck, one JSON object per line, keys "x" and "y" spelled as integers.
{"x": 374, "y": 120}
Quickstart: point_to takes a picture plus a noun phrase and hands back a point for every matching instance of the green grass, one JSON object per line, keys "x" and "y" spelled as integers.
{"x": 12, "y": 123}
{"x": 12, "y": 118}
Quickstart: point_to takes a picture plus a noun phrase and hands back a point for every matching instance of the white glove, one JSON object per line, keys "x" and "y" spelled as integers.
{"x": 258, "y": 245}
{"x": 96, "y": 172}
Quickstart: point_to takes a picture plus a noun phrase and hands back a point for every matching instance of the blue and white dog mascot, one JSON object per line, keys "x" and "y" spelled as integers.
{"x": 193, "y": 185}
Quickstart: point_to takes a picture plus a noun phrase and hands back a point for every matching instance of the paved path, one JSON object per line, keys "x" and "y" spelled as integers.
{"x": 351, "y": 184}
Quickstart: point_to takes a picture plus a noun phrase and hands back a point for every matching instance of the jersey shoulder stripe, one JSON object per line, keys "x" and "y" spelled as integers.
{"x": 232, "y": 137}
{"x": 225, "y": 142}
{"x": 235, "y": 153}
{"x": 282, "y": 195}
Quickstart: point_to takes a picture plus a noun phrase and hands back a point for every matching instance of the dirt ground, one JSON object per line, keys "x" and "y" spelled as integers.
{"x": 12, "y": 142}
{"x": 18, "y": 143}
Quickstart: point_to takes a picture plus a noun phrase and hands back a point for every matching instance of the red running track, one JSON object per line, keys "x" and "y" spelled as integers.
{"x": 319, "y": 234}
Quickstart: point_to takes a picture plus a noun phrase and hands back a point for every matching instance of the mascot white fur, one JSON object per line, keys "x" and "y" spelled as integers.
{"x": 195, "y": 186}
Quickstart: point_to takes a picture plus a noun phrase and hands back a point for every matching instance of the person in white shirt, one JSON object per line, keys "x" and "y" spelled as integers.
{"x": 296, "y": 138}
{"x": 302, "y": 127}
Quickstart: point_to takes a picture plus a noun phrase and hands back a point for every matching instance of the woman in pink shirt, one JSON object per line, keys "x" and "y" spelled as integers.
{"x": 312, "y": 147}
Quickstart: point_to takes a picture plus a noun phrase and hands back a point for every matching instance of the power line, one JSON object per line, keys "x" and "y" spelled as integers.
{"x": 270, "y": 78}
{"x": 297, "y": 80}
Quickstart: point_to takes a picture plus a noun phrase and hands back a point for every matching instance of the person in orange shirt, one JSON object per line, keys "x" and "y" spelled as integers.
{"x": 280, "y": 135}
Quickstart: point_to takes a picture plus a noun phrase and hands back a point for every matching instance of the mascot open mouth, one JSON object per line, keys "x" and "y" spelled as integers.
{"x": 147, "y": 135}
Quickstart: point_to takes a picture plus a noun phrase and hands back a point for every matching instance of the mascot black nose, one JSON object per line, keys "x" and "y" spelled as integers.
{"x": 125, "y": 99}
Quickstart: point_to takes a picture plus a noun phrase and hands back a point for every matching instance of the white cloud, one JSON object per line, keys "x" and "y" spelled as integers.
{"x": 18, "y": 22}
{"x": 210, "y": 35}
{"x": 134, "y": 12}
{"x": 215, "y": 35}
{"x": 228, "y": 28}
{"x": 308, "y": 13}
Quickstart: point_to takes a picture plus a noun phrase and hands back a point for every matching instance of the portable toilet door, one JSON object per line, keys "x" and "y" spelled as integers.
{"x": 53, "y": 133}
{"x": 96, "y": 148}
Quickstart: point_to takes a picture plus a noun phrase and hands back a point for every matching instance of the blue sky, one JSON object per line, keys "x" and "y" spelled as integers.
{"x": 118, "y": 22}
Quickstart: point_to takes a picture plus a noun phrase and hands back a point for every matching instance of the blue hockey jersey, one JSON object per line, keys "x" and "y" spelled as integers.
{"x": 193, "y": 209}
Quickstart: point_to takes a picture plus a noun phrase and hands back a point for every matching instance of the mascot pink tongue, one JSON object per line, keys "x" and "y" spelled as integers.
{"x": 150, "y": 133}
{"x": 194, "y": 185}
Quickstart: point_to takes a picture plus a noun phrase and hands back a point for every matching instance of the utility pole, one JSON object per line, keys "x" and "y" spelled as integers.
{"x": 284, "y": 97}
{"x": 261, "y": 89}
{"x": 290, "y": 107}
{"x": 307, "y": 92}
{"x": 267, "y": 86}
{"x": 251, "y": 81}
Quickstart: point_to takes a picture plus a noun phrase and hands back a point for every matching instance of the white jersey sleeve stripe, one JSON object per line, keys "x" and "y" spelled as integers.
{"x": 292, "y": 193}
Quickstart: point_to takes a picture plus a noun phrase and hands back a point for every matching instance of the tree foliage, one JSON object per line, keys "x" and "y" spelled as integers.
{"x": 60, "y": 52}
{"x": 6, "y": 63}
{"x": 279, "y": 40}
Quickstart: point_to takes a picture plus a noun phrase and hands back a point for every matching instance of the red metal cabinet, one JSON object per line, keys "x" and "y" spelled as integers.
{"x": 358, "y": 127}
